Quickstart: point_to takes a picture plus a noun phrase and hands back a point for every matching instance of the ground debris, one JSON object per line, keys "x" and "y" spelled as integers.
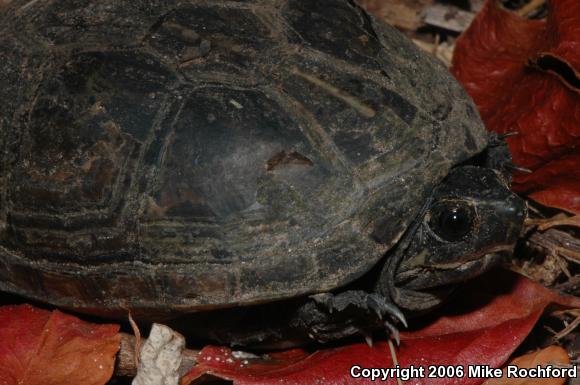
{"x": 160, "y": 357}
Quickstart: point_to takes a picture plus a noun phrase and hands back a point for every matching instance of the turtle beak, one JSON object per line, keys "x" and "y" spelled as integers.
{"x": 508, "y": 214}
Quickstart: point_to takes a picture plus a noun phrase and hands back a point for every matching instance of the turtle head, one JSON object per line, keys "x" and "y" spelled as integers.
{"x": 473, "y": 220}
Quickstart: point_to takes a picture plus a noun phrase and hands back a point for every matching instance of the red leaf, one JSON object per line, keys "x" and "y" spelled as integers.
{"x": 501, "y": 61}
{"x": 38, "y": 347}
{"x": 502, "y": 309}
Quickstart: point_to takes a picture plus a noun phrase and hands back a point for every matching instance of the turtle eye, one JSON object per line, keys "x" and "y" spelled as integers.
{"x": 451, "y": 222}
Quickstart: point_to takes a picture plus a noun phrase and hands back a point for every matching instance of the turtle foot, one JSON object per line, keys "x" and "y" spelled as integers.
{"x": 330, "y": 317}
{"x": 498, "y": 156}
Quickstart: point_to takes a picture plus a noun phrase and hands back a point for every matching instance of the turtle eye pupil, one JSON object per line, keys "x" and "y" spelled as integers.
{"x": 452, "y": 223}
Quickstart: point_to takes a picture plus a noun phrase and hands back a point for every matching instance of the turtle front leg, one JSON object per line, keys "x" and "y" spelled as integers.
{"x": 326, "y": 317}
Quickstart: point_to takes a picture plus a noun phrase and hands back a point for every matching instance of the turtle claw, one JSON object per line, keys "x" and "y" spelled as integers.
{"x": 369, "y": 340}
{"x": 515, "y": 167}
{"x": 332, "y": 316}
{"x": 393, "y": 332}
{"x": 507, "y": 135}
{"x": 380, "y": 305}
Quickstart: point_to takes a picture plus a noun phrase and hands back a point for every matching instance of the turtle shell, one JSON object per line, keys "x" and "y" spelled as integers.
{"x": 184, "y": 156}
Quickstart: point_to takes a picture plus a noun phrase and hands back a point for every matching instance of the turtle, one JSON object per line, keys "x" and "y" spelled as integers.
{"x": 174, "y": 157}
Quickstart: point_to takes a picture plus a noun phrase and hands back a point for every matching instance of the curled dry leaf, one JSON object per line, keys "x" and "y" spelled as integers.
{"x": 38, "y": 347}
{"x": 498, "y": 312}
{"x": 524, "y": 75}
{"x": 160, "y": 357}
{"x": 552, "y": 355}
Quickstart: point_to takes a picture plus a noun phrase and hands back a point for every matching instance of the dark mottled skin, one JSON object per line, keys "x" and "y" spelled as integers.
{"x": 146, "y": 149}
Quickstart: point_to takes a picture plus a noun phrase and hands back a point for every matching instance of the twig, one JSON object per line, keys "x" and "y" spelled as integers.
{"x": 530, "y": 7}
{"x": 571, "y": 312}
{"x": 571, "y": 286}
{"x": 563, "y": 266}
{"x": 570, "y": 221}
{"x": 394, "y": 357}
{"x": 570, "y": 255}
{"x": 126, "y": 358}
{"x": 556, "y": 242}
{"x": 137, "y": 332}
{"x": 557, "y": 220}
{"x": 568, "y": 329}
